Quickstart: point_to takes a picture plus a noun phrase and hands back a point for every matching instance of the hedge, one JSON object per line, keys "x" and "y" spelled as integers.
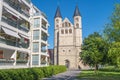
{"x": 35, "y": 73}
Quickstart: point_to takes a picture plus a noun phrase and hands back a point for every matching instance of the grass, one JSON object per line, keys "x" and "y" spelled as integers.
{"x": 103, "y": 74}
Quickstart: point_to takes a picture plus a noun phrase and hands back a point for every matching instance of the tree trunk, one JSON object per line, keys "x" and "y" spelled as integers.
{"x": 96, "y": 67}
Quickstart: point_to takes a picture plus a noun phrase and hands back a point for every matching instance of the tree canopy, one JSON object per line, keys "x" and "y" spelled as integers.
{"x": 93, "y": 50}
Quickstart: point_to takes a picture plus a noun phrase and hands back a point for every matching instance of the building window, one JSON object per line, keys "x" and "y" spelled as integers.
{"x": 66, "y": 31}
{"x": 63, "y": 25}
{"x": 69, "y": 50}
{"x": 77, "y": 25}
{"x": 66, "y": 24}
{"x": 69, "y": 24}
{"x": 36, "y": 47}
{"x": 62, "y": 31}
{"x": 35, "y": 59}
{"x": 57, "y": 21}
{"x": 36, "y": 35}
{"x": 36, "y": 22}
{"x": 77, "y": 19}
{"x": 70, "y": 31}
{"x": 57, "y": 26}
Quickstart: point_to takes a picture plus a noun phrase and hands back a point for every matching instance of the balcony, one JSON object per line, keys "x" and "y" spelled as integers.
{"x": 20, "y": 62}
{"x": 17, "y": 7}
{"x": 6, "y": 62}
{"x": 15, "y": 44}
{"x": 44, "y": 27}
{"x": 28, "y": 1}
{"x": 8, "y": 42}
{"x": 23, "y": 28}
{"x": 43, "y": 50}
{"x": 9, "y": 21}
{"x": 15, "y": 24}
{"x": 44, "y": 36}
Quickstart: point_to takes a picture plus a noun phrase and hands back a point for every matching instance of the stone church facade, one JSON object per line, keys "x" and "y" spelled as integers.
{"x": 68, "y": 40}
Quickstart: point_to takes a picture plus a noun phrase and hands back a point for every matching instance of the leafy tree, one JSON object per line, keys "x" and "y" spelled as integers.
{"x": 112, "y": 35}
{"x": 93, "y": 50}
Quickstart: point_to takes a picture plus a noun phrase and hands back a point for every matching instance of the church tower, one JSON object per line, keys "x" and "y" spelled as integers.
{"x": 78, "y": 29}
{"x": 58, "y": 22}
{"x": 67, "y": 40}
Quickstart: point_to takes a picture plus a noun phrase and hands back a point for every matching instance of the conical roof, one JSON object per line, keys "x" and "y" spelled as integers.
{"x": 58, "y": 13}
{"x": 76, "y": 12}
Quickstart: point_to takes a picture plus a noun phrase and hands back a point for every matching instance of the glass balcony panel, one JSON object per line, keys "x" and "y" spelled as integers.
{"x": 44, "y": 27}
{"x": 9, "y": 21}
{"x": 17, "y": 7}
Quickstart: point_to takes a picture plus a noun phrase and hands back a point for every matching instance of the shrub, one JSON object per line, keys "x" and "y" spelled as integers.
{"x": 35, "y": 73}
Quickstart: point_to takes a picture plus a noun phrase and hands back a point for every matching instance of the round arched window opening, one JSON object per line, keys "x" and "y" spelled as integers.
{"x": 57, "y": 20}
{"x": 70, "y": 31}
{"x": 66, "y": 31}
{"x": 62, "y": 31}
{"x": 77, "y": 25}
{"x": 57, "y": 26}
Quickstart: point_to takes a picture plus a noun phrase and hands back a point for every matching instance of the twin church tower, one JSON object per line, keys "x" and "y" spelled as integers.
{"x": 67, "y": 40}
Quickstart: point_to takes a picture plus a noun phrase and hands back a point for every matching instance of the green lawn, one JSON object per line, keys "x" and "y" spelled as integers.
{"x": 100, "y": 75}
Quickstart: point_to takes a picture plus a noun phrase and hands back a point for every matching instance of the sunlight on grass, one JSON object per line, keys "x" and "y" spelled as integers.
{"x": 99, "y": 75}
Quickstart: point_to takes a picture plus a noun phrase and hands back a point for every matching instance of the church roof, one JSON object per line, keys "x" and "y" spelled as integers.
{"x": 58, "y": 13}
{"x": 76, "y": 12}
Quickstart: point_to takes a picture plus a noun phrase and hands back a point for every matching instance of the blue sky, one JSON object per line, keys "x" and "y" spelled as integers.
{"x": 95, "y": 13}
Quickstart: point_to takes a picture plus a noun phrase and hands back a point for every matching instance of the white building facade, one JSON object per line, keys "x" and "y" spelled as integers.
{"x": 22, "y": 35}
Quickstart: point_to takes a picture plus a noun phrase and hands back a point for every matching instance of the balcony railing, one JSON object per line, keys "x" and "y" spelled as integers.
{"x": 10, "y": 22}
{"x": 44, "y": 38}
{"x": 6, "y": 62}
{"x": 23, "y": 28}
{"x": 17, "y": 8}
{"x": 14, "y": 24}
{"x": 44, "y": 27}
{"x": 21, "y": 61}
{"x": 43, "y": 50}
{"x": 43, "y": 62}
{"x": 28, "y": 1}
{"x": 15, "y": 44}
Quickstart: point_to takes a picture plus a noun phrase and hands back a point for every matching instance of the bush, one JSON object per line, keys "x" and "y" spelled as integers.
{"x": 35, "y": 73}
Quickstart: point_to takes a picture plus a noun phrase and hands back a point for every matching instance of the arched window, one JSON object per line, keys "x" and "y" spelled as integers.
{"x": 70, "y": 31}
{"x": 69, "y": 25}
{"x": 57, "y": 21}
{"x": 57, "y": 26}
{"x": 66, "y": 31}
{"x": 65, "y": 24}
{"x": 62, "y": 31}
{"x": 77, "y": 25}
{"x": 77, "y": 19}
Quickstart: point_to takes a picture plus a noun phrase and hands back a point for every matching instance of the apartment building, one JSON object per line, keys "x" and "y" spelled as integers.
{"x": 23, "y": 35}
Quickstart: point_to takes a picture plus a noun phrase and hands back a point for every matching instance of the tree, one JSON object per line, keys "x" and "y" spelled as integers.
{"x": 93, "y": 50}
{"x": 112, "y": 35}
{"x": 114, "y": 53}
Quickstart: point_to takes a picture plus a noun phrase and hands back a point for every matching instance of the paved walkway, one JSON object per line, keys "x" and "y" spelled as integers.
{"x": 68, "y": 75}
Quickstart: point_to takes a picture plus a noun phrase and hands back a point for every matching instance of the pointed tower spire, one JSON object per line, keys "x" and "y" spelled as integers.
{"x": 76, "y": 12}
{"x": 58, "y": 14}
